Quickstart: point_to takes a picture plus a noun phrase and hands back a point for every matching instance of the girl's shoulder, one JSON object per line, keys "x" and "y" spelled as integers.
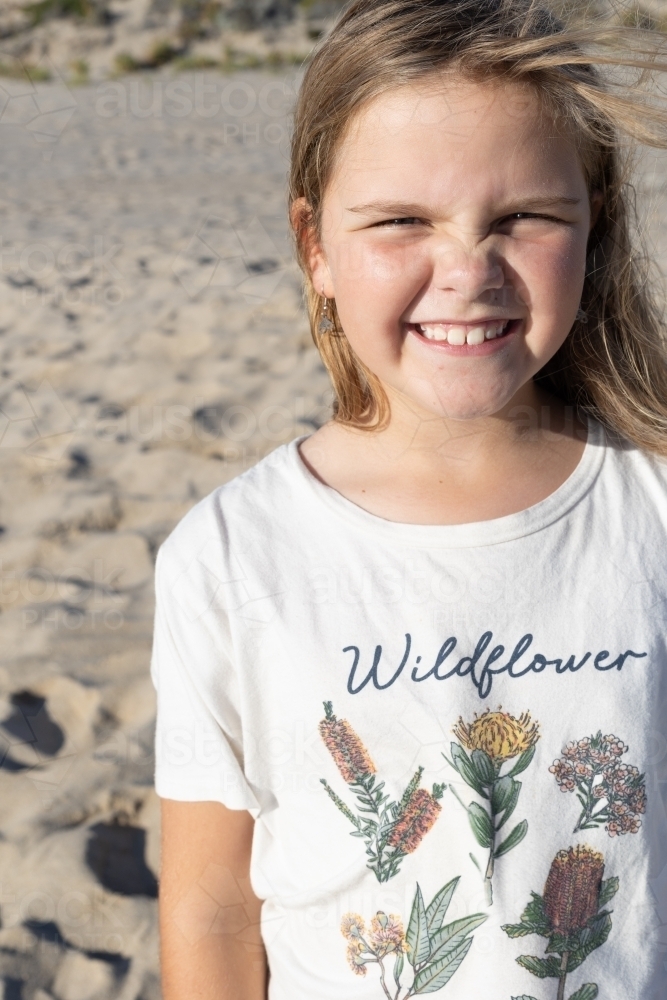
{"x": 263, "y": 497}
{"x": 645, "y": 471}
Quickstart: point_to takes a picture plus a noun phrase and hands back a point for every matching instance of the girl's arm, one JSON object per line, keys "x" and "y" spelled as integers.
{"x": 211, "y": 947}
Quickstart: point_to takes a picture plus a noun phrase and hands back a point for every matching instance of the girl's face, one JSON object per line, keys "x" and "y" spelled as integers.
{"x": 453, "y": 239}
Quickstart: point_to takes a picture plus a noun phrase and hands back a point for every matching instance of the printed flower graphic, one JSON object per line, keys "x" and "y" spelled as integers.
{"x": 571, "y": 916}
{"x": 610, "y": 792}
{"x": 494, "y": 738}
{"x": 433, "y": 951}
{"x": 416, "y": 815}
{"x": 498, "y": 734}
{"x": 349, "y": 753}
{"x": 391, "y": 830}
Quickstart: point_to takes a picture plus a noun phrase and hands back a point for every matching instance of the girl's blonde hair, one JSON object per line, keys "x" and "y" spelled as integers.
{"x": 614, "y": 365}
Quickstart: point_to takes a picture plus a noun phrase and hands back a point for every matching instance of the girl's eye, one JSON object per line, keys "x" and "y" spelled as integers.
{"x": 398, "y": 222}
{"x": 520, "y": 216}
{"x": 528, "y": 225}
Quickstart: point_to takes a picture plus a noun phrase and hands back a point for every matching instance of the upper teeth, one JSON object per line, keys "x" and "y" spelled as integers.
{"x": 459, "y": 335}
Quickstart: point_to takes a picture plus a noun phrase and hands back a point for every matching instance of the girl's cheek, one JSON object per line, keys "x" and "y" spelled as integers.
{"x": 548, "y": 272}
{"x": 363, "y": 262}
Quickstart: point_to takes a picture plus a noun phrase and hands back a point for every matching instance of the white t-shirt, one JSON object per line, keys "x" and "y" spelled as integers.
{"x": 453, "y": 738}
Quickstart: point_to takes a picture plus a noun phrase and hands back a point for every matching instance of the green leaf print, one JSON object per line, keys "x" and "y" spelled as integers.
{"x": 533, "y": 920}
{"x": 608, "y": 890}
{"x": 434, "y": 952}
{"x": 588, "y": 991}
{"x": 481, "y": 824}
{"x": 517, "y": 930}
{"x": 398, "y": 968}
{"x": 450, "y": 937}
{"x": 523, "y": 762}
{"x": 515, "y": 837}
{"x": 504, "y": 790}
{"x": 535, "y": 916}
{"x": 436, "y": 911}
{"x": 438, "y": 974}
{"x": 570, "y": 915}
{"x": 493, "y": 738}
{"x": 545, "y": 968}
{"x": 483, "y": 766}
{"x": 591, "y": 938}
{"x": 464, "y": 766}
{"x": 511, "y": 804}
{"x": 417, "y": 937}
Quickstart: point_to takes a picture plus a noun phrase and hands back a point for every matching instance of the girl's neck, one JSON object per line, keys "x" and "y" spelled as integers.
{"x": 425, "y": 469}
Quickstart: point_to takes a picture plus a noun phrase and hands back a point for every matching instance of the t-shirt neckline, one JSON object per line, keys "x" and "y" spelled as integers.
{"x": 472, "y": 534}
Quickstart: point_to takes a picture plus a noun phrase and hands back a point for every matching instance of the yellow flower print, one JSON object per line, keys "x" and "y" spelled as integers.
{"x": 498, "y": 734}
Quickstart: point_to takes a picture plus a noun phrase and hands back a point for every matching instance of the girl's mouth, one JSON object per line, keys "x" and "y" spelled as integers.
{"x": 468, "y": 334}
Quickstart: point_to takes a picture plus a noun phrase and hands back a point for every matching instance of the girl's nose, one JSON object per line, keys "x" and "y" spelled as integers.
{"x": 467, "y": 273}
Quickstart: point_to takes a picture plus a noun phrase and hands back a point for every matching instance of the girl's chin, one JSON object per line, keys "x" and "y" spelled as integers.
{"x": 449, "y": 403}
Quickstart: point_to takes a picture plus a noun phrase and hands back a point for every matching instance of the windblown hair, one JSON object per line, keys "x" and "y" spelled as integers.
{"x": 595, "y": 81}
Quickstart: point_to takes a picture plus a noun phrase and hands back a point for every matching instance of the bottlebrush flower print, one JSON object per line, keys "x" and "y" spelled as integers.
{"x": 571, "y": 915}
{"x": 347, "y": 750}
{"x": 433, "y": 951}
{"x": 610, "y": 792}
{"x": 492, "y": 739}
{"x": 391, "y": 830}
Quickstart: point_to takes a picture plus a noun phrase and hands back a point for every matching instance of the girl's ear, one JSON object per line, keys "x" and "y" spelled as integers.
{"x": 311, "y": 251}
{"x": 597, "y": 201}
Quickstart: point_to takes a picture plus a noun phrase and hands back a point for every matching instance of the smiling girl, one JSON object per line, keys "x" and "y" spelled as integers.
{"x": 411, "y": 669}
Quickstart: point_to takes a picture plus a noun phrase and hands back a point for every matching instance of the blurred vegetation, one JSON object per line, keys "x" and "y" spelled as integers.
{"x": 18, "y": 70}
{"x": 231, "y": 60}
{"x": 89, "y": 10}
{"x": 80, "y": 71}
{"x": 162, "y": 52}
{"x": 198, "y": 18}
{"x": 125, "y": 63}
{"x": 196, "y": 62}
{"x": 203, "y": 18}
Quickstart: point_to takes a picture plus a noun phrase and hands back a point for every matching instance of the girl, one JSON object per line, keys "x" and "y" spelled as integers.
{"x": 411, "y": 670}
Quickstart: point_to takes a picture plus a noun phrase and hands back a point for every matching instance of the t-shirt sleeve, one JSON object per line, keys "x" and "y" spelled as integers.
{"x": 199, "y": 728}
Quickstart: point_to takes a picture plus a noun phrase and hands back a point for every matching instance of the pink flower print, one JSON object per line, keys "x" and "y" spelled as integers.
{"x": 612, "y": 793}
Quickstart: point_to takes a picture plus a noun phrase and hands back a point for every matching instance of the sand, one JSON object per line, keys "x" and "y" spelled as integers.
{"x": 152, "y": 346}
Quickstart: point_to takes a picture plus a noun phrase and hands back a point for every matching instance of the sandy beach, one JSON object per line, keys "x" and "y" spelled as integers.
{"x": 153, "y": 345}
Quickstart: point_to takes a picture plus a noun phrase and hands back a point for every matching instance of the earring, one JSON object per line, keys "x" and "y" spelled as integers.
{"x": 581, "y": 316}
{"x": 326, "y": 323}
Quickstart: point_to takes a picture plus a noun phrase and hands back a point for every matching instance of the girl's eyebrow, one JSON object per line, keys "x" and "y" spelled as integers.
{"x": 421, "y": 211}
{"x": 390, "y": 208}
